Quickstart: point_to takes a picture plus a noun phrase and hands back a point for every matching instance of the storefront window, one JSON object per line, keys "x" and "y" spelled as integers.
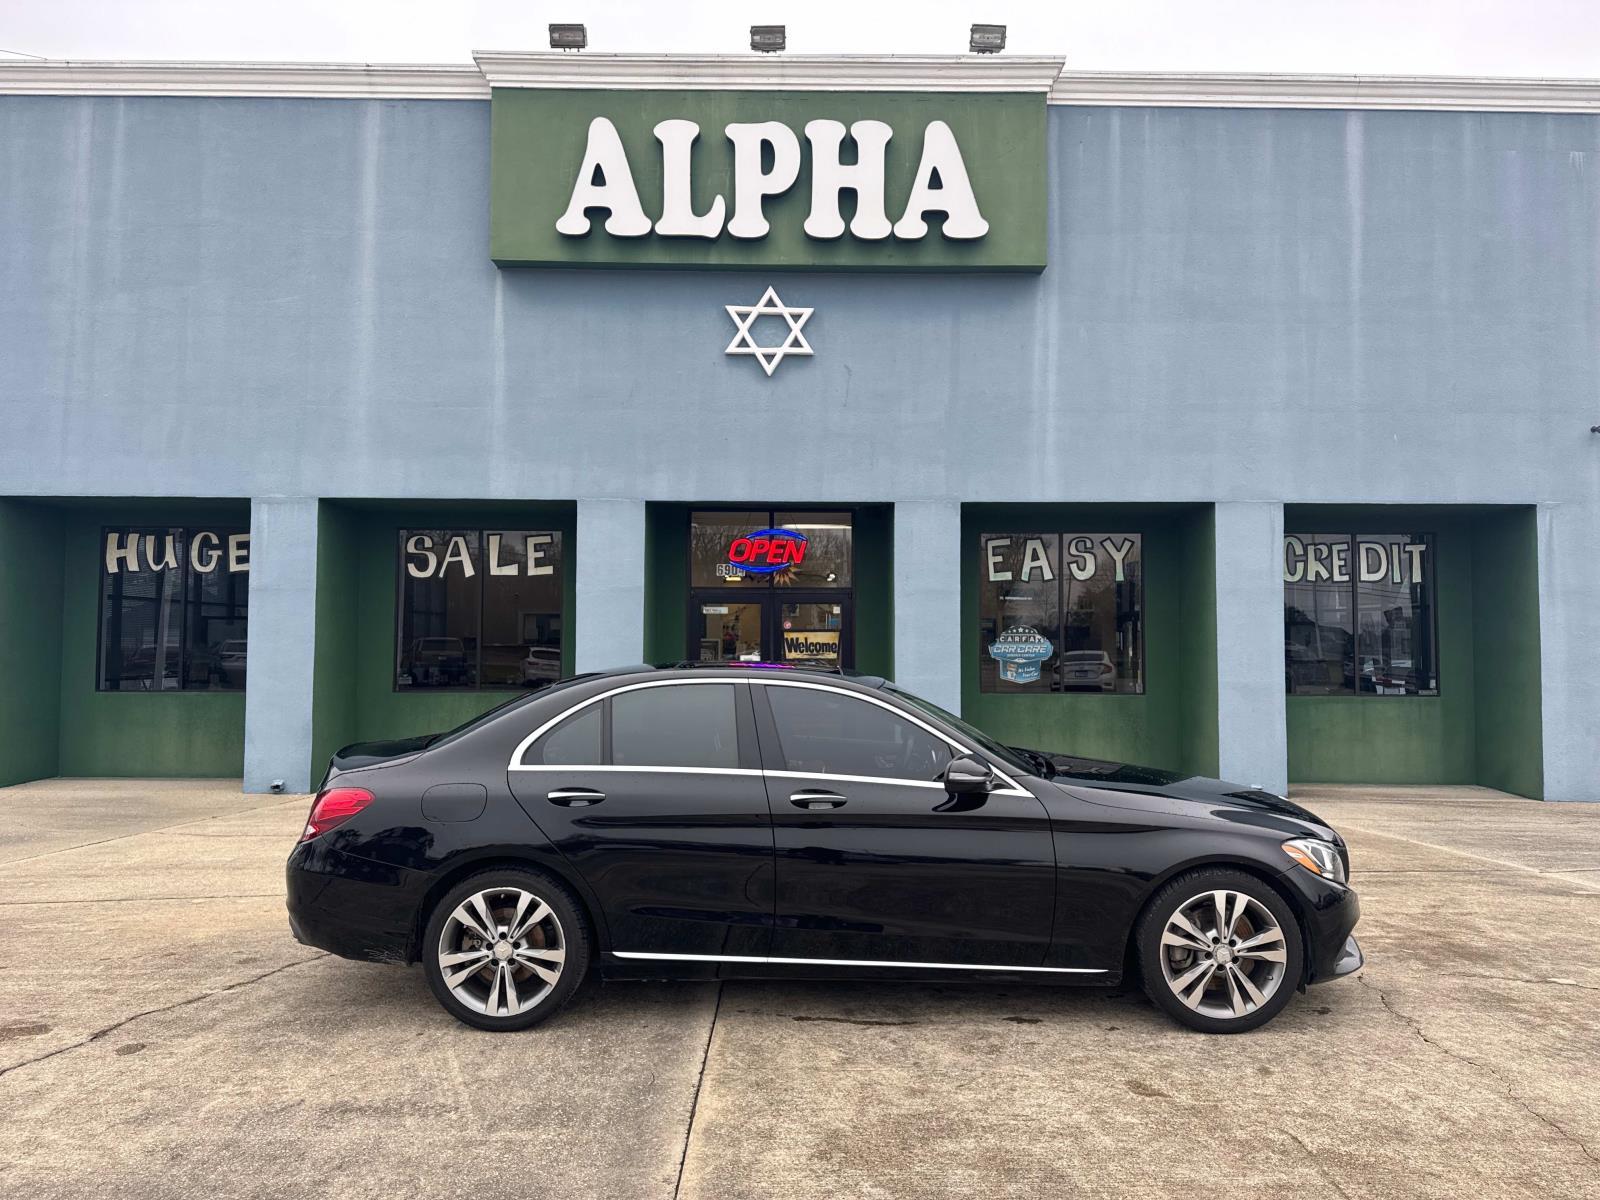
{"x": 479, "y": 608}
{"x": 1358, "y": 615}
{"x": 173, "y": 609}
{"x": 1061, "y": 612}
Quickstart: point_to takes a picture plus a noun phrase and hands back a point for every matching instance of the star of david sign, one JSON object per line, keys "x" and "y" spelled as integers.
{"x": 744, "y": 316}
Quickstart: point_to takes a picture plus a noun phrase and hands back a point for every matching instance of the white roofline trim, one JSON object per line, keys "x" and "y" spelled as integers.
{"x": 770, "y": 72}
{"x": 321, "y": 81}
{"x": 1146, "y": 89}
{"x": 862, "y": 73}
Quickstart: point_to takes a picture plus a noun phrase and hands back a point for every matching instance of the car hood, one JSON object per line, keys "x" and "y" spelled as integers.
{"x": 1125, "y": 785}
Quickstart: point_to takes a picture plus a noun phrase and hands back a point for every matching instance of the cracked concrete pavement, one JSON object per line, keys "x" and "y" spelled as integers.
{"x": 162, "y": 1035}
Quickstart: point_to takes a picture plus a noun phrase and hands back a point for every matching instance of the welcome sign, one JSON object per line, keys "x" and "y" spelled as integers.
{"x": 759, "y": 179}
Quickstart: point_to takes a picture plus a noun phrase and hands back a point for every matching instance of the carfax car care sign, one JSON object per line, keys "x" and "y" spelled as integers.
{"x": 830, "y": 180}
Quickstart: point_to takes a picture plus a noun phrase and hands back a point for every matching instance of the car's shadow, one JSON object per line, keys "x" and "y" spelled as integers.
{"x": 401, "y": 994}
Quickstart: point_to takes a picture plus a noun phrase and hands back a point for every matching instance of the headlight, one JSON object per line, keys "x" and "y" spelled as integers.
{"x": 1318, "y": 857}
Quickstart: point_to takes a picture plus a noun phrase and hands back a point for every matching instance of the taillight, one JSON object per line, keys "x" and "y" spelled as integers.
{"x": 334, "y": 807}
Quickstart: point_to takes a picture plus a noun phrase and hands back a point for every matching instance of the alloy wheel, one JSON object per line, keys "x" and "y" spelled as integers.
{"x": 501, "y": 951}
{"x": 1223, "y": 954}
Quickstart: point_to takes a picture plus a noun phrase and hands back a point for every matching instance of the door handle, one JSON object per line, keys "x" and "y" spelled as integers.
{"x": 574, "y": 797}
{"x": 815, "y": 798}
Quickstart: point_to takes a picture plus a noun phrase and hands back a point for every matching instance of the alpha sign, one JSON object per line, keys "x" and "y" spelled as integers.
{"x": 876, "y": 181}
{"x": 766, "y": 162}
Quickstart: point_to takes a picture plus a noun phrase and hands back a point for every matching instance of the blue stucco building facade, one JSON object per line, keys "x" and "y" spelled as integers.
{"x": 278, "y": 312}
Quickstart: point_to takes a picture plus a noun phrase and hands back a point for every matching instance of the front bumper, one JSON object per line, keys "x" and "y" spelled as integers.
{"x": 351, "y": 906}
{"x": 1329, "y": 912}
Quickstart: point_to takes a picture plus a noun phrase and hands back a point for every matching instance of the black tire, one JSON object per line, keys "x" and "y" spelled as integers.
{"x": 565, "y": 930}
{"x": 1217, "y": 990}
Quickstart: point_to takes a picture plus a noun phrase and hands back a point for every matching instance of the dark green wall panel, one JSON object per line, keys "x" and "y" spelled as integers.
{"x": 30, "y": 641}
{"x": 196, "y": 734}
{"x": 355, "y": 696}
{"x": 1167, "y": 725}
{"x": 1198, "y": 748}
{"x": 1483, "y": 727}
{"x": 666, "y": 582}
{"x": 1505, "y": 607}
{"x": 873, "y": 539}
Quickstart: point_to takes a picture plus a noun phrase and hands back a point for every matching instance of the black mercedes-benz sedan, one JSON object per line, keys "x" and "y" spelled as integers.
{"x": 753, "y": 821}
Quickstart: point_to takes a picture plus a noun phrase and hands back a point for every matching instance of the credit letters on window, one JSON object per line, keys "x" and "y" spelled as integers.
{"x": 1358, "y": 615}
{"x": 173, "y": 609}
{"x": 1061, "y": 612}
{"x": 479, "y": 608}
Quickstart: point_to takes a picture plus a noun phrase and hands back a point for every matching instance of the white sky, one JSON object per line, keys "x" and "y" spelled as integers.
{"x": 1443, "y": 37}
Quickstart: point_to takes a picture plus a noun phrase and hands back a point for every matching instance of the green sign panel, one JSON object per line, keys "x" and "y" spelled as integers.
{"x": 830, "y": 181}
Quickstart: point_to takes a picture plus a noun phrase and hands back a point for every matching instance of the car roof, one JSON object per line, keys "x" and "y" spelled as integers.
{"x": 744, "y": 670}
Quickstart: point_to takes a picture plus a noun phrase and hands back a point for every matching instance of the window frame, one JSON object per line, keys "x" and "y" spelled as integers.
{"x": 1059, "y": 634}
{"x": 400, "y": 579}
{"x": 185, "y": 534}
{"x": 749, "y": 758}
{"x": 1430, "y": 586}
{"x": 1008, "y": 785}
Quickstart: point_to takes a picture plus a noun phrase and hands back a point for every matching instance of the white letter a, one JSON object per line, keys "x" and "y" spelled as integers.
{"x": 953, "y": 196}
{"x": 617, "y": 194}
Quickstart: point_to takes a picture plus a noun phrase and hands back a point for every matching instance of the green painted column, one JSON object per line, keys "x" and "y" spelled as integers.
{"x": 30, "y": 642}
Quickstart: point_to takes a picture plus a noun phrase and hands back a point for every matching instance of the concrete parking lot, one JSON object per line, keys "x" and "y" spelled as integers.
{"x": 162, "y": 1035}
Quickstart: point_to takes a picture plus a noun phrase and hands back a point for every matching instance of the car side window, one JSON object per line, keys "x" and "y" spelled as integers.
{"x": 829, "y": 733}
{"x": 682, "y": 725}
{"x": 575, "y": 742}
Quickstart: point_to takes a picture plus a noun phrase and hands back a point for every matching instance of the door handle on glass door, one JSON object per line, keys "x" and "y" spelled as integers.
{"x": 814, "y": 798}
{"x": 574, "y": 797}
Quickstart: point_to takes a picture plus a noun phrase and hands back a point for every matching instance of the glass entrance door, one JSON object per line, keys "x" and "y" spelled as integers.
{"x": 771, "y": 585}
{"x": 810, "y": 631}
{"x": 729, "y": 630}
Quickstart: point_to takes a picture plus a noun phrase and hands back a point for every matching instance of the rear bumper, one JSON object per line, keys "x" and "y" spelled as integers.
{"x": 1329, "y": 912}
{"x": 351, "y": 906}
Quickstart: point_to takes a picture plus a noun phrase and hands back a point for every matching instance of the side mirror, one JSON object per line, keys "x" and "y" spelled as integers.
{"x": 967, "y": 775}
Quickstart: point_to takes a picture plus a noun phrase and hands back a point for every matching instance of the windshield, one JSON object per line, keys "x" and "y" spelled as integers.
{"x": 989, "y": 746}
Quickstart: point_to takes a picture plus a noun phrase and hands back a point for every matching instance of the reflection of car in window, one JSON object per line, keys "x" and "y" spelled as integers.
{"x": 542, "y": 664}
{"x": 1393, "y": 678}
{"x": 1088, "y": 669}
{"x": 228, "y": 663}
{"x": 438, "y": 662}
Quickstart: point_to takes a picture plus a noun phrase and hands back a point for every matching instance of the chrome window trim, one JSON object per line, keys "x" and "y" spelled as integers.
{"x": 847, "y": 962}
{"x": 615, "y": 767}
{"x": 891, "y": 780}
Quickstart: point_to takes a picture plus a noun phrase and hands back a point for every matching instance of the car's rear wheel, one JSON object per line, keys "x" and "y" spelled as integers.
{"x": 1220, "y": 951}
{"x": 505, "y": 949}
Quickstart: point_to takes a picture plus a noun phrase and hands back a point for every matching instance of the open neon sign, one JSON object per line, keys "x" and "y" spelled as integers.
{"x": 767, "y": 550}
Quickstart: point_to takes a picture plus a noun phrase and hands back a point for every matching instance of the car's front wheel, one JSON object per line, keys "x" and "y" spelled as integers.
{"x": 505, "y": 949}
{"x": 1220, "y": 951}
